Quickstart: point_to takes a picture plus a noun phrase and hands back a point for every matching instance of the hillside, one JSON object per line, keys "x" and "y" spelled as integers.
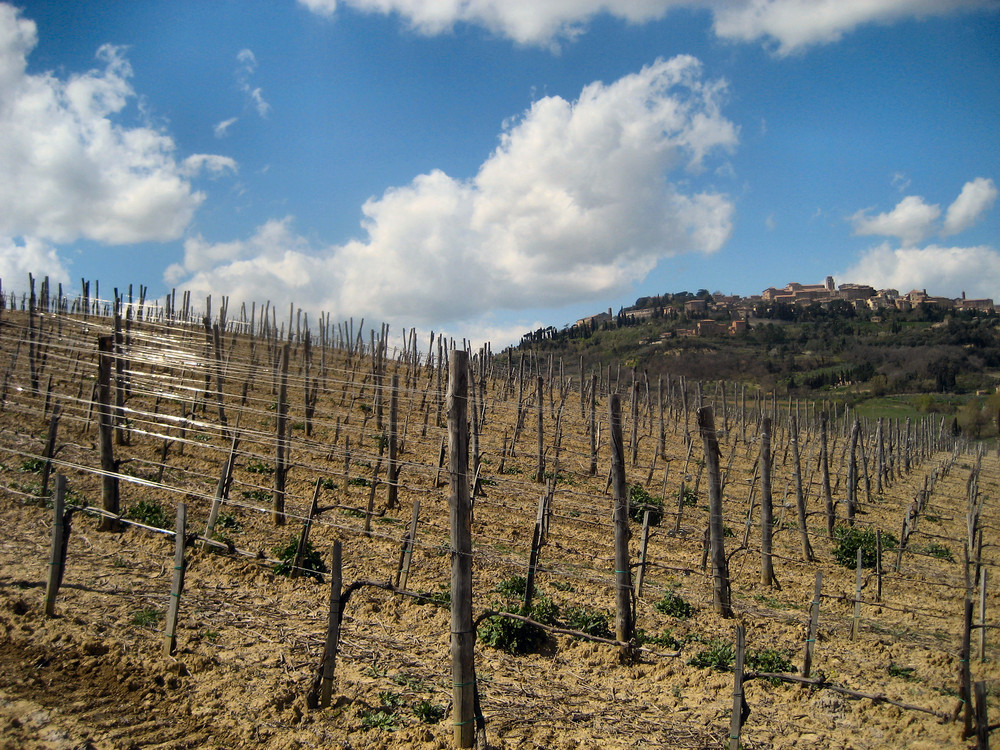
{"x": 928, "y": 360}
{"x": 249, "y": 641}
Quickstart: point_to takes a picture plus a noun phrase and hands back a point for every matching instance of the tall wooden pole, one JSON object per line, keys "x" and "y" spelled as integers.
{"x": 623, "y": 573}
{"x": 105, "y": 421}
{"x": 463, "y": 636}
{"x": 720, "y": 568}
{"x": 766, "y": 515}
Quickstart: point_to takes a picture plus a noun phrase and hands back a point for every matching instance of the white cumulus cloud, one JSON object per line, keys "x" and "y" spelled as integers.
{"x": 975, "y": 199}
{"x": 911, "y": 220}
{"x": 789, "y": 24}
{"x": 21, "y": 256}
{"x": 942, "y": 271}
{"x": 70, "y": 168}
{"x": 796, "y": 24}
{"x": 576, "y": 202}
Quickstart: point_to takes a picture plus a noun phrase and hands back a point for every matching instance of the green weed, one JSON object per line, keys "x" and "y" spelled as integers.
{"x": 674, "y": 606}
{"x": 312, "y": 562}
{"x": 149, "y": 512}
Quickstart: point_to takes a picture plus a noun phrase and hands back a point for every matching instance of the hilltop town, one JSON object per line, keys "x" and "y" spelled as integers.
{"x": 716, "y": 314}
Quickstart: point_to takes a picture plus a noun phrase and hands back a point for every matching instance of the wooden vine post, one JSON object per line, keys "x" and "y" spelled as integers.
{"x": 170, "y": 630}
{"x": 623, "y": 572}
{"x": 281, "y": 449}
{"x": 739, "y": 702}
{"x": 800, "y": 499}
{"x": 766, "y": 513}
{"x": 856, "y": 620}
{"x": 392, "y": 478}
{"x": 813, "y": 626}
{"x": 540, "y": 468}
{"x": 463, "y": 636}
{"x": 720, "y": 568}
{"x": 57, "y": 558}
{"x": 332, "y": 630}
{"x": 825, "y": 467}
{"x": 593, "y": 425}
{"x": 105, "y": 422}
{"x": 406, "y": 551}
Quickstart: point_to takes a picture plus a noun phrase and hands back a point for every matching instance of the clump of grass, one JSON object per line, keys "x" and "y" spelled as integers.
{"x": 514, "y": 586}
{"x": 390, "y": 699}
{"x": 665, "y": 639}
{"x": 718, "y": 656}
{"x": 147, "y": 617}
{"x": 410, "y": 682}
{"x": 259, "y": 467}
{"x": 442, "y": 597}
{"x": 690, "y": 497}
{"x": 516, "y": 636}
{"x": 850, "y": 539}
{"x": 312, "y": 562}
{"x": 32, "y": 465}
{"x": 257, "y": 496}
{"x": 940, "y": 551}
{"x": 904, "y": 673}
{"x": 380, "y": 719}
{"x": 149, "y": 512}
{"x": 640, "y": 501}
{"x": 427, "y": 712}
{"x": 588, "y": 621}
{"x": 358, "y": 482}
{"x": 769, "y": 660}
{"x": 673, "y": 605}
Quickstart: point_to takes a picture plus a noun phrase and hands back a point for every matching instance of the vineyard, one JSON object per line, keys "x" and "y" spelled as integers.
{"x": 230, "y": 529}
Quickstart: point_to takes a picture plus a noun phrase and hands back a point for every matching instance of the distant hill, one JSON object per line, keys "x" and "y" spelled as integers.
{"x": 928, "y": 357}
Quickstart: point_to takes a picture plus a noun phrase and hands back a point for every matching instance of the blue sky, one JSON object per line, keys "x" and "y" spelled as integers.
{"x": 484, "y": 167}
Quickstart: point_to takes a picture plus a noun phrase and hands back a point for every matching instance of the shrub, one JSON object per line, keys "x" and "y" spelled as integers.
{"x": 850, "y": 539}
{"x": 149, "y": 512}
{"x": 640, "y": 501}
{"x": 673, "y": 605}
{"x": 312, "y": 562}
{"x": 589, "y": 621}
